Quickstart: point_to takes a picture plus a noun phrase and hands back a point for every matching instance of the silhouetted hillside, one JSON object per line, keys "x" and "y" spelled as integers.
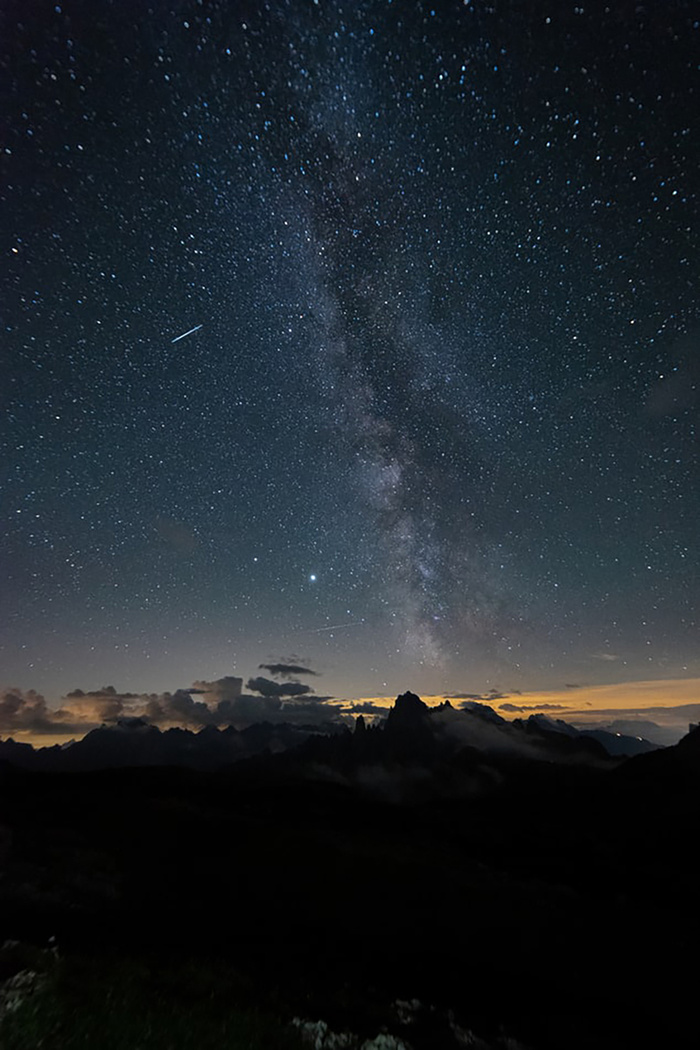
{"x": 134, "y": 742}
{"x": 444, "y": 855}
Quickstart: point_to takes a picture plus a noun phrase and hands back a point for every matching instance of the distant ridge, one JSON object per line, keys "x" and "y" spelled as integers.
{"x": 411, "y": 733}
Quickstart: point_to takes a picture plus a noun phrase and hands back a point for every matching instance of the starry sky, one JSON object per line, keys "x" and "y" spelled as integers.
{"x": 436, "y": 427}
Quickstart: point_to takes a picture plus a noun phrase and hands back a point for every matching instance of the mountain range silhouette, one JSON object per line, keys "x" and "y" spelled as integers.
{"x": 411, "y": 732}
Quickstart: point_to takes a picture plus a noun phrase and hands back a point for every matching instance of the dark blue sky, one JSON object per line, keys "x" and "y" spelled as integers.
{"x": 444, "y": 396}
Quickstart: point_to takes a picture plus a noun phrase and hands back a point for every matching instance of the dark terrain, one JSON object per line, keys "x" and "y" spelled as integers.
{"x": 538, "y": 887}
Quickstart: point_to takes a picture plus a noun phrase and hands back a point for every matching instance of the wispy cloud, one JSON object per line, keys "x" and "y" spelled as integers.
{"x": 286, "y": 670}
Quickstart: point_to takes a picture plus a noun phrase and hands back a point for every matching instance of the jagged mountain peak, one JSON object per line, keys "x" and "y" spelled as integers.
{"x": 409, "y": 717}
{"x": 409, "y": 703}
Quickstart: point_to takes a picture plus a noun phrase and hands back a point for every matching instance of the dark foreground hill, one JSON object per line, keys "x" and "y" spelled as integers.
{"x": 545, "y": 891}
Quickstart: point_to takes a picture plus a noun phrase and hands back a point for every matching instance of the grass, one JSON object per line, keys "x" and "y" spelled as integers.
{"x": 134, "y": 1004}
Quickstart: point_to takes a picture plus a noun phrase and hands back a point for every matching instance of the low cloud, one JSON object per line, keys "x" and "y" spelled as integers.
{"x": 221, "y": 702}
{"x": 520, "y": 708}
{"x": 226, "y": 688}
{"x": 179, "y": 708}
{"x": 481, "y": 727}
{"x": 27, "y": 712}
{"x": 105, "y": 691}
{"x": 247, "y": 710}
{"x": 482, "y": 698}
{"x": 267, "y": 687}
{"x": 22, "y": 711}
{"x": 677, "y": 715}
{"x": 366, "y": 707}
{"x": 286, "y": 670}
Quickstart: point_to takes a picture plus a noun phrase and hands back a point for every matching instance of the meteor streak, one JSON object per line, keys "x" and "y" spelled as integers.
{"x": 185, "y": 334}
{"x": 337, "y": 626}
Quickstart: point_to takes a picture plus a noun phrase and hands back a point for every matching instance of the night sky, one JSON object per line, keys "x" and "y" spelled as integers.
{"x": 437, "y": 426}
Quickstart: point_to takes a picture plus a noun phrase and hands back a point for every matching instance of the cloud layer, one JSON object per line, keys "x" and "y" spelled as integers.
{"x": 24, "y": 714}
{"x": 221, "y": 702}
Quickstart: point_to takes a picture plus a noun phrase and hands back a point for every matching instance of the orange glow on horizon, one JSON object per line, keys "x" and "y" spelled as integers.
{"x": 669, "y": 702}
{"x": 657, "y": 699}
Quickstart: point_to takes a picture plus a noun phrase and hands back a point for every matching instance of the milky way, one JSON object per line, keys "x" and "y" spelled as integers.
{"x": 361, "y": 334}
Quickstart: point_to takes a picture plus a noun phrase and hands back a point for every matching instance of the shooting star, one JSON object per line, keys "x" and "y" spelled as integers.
{"x": 185, "y": 334}
{"x": 337, "y": 626}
